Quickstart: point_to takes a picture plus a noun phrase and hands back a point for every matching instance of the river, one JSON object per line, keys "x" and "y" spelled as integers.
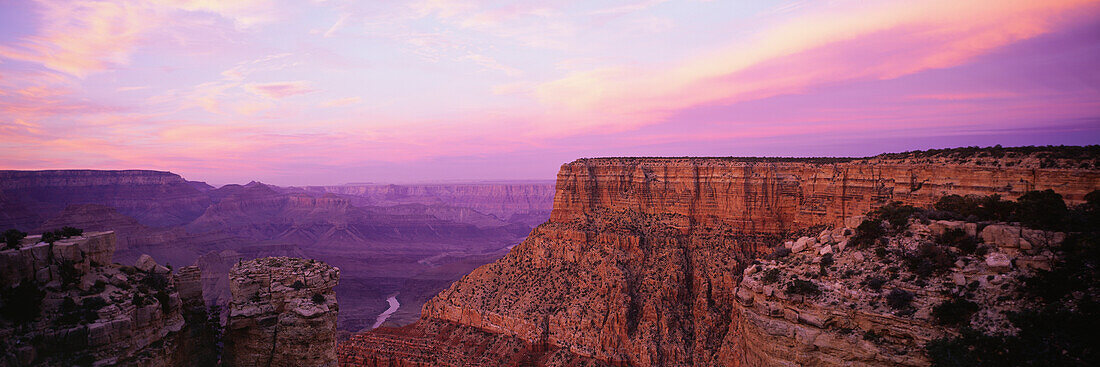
{"x": 394, "y": 305}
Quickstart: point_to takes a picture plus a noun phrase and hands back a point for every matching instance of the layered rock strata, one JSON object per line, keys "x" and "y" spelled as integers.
{"x": 283, "y": 313}
{"x": 641, "y": 260}
{"x": 66, "y": 304}
{"x": 852, "y": 323}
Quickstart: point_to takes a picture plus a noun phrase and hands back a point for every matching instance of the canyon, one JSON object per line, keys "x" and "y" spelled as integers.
{"x": 643, "y": 259}
{"x": 409, "y": 239}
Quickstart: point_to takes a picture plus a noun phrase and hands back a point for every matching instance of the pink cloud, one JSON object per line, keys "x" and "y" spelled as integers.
{"x": 880, "y": 42}
{"x": 280, "y": 89}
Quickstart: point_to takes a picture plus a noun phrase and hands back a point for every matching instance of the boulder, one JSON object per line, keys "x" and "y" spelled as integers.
{"x": 827, "y": 249}
{"x": 998, "y": 262}
{"x": 854, "y": 222}
{"x": 145, "y": 263}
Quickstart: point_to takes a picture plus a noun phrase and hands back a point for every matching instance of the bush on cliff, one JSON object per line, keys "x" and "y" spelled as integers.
{"x": 954, "y": 312}
{"x": 867, "y": 234}
{"x": 803, "y": 287}
{"x": 13, "y": 237}
{"x": 899, "y": 298}
{"x": 929, "y": 259}
{"x": 895, "y": 213}
{"x": 318, "y": 299}
{"x": 1060, "y": 328}
{"x": 958, "y": 238}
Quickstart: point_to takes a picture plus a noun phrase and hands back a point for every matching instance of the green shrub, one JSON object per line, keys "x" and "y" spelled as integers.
{"x": 318, "y": 299}
{"x": 958, "y": 238}
{"x": 954, "y": 312}
{"x": 803, "y": 287}
{"x": 154, "y": 281}
{"x": 867, "y": 234}
{"x": 895, "y": 213}
{"x": 70, "y": 232}
{"x": 1041, "y": 209}
{"x": 929, "y": 259}
{"x": 13, "y": 237}
{"x": 298, "y": 285}
{"x": 899, "y": 298}
{"x": 770, "y": 276}
{"x": 875, "y": 282}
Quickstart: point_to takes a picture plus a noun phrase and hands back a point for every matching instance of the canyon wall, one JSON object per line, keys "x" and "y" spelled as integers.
{"x": 641, "y": 259}
{"x": 283, "y": 313}
{"x": 66, "y": 304}
{"x": 504, "y": 200}
{"x": 762, "y": 196}
{"x": 154, "y": 198}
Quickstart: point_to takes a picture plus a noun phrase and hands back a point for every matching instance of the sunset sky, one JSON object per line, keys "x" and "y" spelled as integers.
{"x": 324, "y": 92}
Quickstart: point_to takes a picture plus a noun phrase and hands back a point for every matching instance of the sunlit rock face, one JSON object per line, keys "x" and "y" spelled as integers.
{"x": 283, "y": 313}
{"x": 641, "y": 260}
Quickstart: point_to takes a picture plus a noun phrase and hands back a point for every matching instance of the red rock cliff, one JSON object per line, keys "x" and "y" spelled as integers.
{"x": 641, "y": 259}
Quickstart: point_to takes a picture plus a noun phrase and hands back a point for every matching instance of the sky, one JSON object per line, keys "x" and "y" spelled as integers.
{"x": 330, "y": 91}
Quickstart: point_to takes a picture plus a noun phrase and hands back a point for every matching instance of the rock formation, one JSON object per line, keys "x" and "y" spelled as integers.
{"x": 283, "y": 313}
{"x": 154, "y": 198}
{"x": 66, "y": 304}
{"x": 641, "y": 261}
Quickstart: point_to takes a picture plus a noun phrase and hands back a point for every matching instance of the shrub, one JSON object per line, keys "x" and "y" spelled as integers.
{"x": 929, "y": 259}
{"x": 298, "y": 285}
{"x": 13, "y": 237}
{"x": 22, "y": 303}
{"x": 1041, "y": 209}
{"x": 899, "y": 298}
{"x": 954, "y": 312}
{"x": 70, "y": 232}
{"x": 867, "y": 234}
{"x": 895, "y": 213}
{"x": 803, "y": 287}
{"x": 770, "y": 276}
{"x": 318, "y": 299}
{"x": 958, "y": 238}
{"x": 50, "y": 237}
{"x": 90, "y": 306}
{"x": 875, "y": 282}
{"x": 155, "y": 281}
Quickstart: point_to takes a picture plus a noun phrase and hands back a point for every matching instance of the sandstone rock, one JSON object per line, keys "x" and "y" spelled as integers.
{"x": 801, "y": 244}
{"x": 273, "y": 323}
{"x": 854, "y": 221}
{"x": 160, "y": 269}
{"x": 958, "y": 279}
{"x": 827, "y": 249}
{"x": 998, "y": 262}
{"x": 145, "y": 263}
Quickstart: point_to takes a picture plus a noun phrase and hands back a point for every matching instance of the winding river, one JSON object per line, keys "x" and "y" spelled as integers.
{"x": 394, "y": 305}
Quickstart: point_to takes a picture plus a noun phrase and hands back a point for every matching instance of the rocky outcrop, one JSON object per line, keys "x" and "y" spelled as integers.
{"x": 641, "y": 260}
{"x": 66, "y": 304}
{"x": 152, "y": 197}
{"x": 848, "y": 318}
{"x": 283, "y": 313}
{"x": 773, "y": 196}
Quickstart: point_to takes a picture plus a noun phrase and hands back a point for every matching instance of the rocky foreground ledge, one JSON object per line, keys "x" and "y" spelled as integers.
{"x": 283, "y": 313}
